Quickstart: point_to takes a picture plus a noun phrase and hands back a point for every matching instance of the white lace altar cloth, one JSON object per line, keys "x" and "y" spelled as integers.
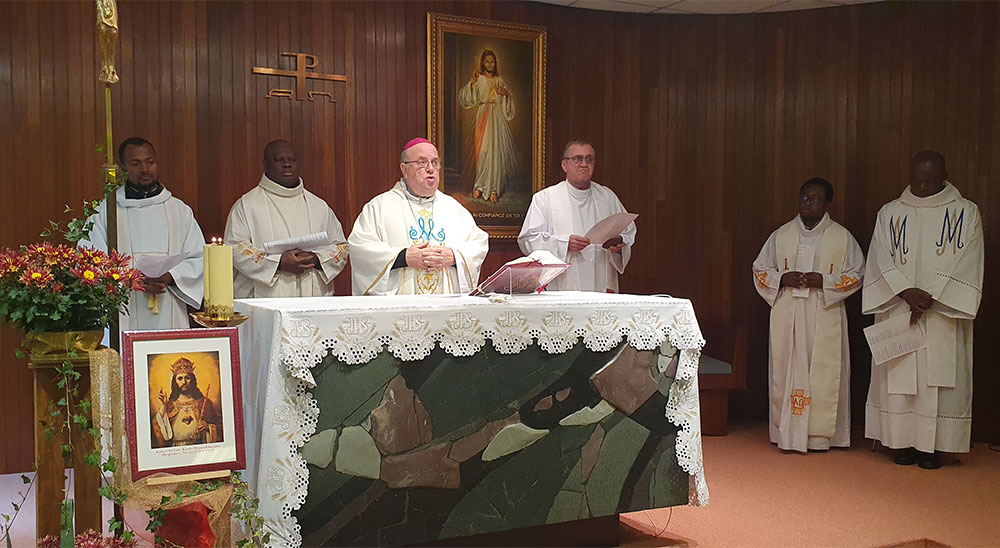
{"x": 285, "y": 338}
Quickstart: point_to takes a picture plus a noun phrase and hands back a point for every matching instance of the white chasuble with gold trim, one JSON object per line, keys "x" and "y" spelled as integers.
{"x": 396, "y": 220}
{"x": 271, "y": 212}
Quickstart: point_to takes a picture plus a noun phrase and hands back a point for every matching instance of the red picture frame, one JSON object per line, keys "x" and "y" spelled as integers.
{"x": 176, "y": 426}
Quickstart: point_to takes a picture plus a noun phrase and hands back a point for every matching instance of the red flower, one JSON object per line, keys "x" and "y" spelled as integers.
{"x": 119, "y": 260}
{"x": 36, "y": 277}
{"x": 89, "y": 539}
{"x": 86, "y": 275}
{"x": 11, "y": 263}
{"x": 57, "y": 287}
{"x": 188, "y": 526}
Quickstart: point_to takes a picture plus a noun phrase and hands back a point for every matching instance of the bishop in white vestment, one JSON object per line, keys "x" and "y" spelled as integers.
{"x": 926, "y": 261}
{"x": 414, "y": 239}
{"x": 279, "y": 208}
{"x": 560, "y": 214}
{"x": 805, "y": 271}
{"x": 153, "y": 226}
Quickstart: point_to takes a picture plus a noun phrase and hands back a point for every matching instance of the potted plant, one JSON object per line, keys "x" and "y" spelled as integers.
{"x": 63, "y": 297}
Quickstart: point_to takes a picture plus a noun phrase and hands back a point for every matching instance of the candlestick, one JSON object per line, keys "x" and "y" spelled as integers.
{"x": 218, "y": 280}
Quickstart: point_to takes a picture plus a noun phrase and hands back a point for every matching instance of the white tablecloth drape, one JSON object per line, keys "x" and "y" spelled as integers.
{"x": 285, "y": 338}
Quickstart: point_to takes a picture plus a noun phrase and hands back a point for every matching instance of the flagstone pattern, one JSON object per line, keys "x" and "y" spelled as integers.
{"x": 452, "y": 446}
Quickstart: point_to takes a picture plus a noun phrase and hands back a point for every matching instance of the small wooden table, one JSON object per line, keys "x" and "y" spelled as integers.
{"x": 50, "y": 482}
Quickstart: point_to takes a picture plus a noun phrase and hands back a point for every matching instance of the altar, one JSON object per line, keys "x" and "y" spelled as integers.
{"x": 410, "y": 419}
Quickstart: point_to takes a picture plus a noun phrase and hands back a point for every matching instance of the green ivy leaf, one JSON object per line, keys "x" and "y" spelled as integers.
{"x": 93, "y": 458}
{"x": 25, "y": 479}
{"x": 19, "y": 353}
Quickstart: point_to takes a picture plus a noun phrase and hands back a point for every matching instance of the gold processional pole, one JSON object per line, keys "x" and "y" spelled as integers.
{"x": 55, "y": 513}
{"x": 107, "y": 40}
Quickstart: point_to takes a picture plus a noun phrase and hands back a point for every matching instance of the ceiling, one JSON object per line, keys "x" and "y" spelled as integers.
{"x": 703, "y": 6}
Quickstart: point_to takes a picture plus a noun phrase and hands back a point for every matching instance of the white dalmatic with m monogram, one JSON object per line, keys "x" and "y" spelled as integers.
{"x": 924, "y": 399}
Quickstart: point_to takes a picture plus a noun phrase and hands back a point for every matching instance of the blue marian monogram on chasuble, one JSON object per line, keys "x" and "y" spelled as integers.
{"x": 427, "y": 280}
{"x": 951, "y": 232}
{"x": 897, "y": 233}
{"x": 424, "y": 231}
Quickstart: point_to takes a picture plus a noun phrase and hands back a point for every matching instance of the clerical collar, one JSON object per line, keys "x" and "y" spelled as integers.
{"x": 136, "y": 193}
{"x": 413, "y": 197}
{"x": 814, "y": 229}
{"x": 580, "y": 192}
{"x": 275, "y": 188}
{"x": 948, "y": 194}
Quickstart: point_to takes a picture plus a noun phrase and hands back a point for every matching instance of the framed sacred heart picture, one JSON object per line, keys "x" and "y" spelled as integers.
{"x": 183, "y": 401}
{"x": 486, "y": 114}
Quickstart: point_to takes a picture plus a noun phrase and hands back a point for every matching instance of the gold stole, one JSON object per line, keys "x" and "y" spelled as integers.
{"x": 825, "y": 366}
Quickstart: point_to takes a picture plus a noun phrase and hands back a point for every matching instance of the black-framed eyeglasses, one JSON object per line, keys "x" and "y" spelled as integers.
{"x": 579, "y": 159}
{"x": 423, "y": 163}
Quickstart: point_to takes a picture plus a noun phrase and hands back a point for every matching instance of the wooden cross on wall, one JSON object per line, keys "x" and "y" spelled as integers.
{"x": 303, "y": 62}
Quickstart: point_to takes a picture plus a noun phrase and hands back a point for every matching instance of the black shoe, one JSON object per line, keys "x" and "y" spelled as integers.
{"x": 930, "y": 461}
{"x": 906, "y": 457}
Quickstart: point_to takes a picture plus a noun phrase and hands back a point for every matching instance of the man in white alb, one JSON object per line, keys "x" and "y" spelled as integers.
{"x": 414, "y": 239}
{"x": 559, "y": 214}
{"x": 926, "y": 262}
{"x": 153, "y": 227}
{"x": 805, "y": 271}
{"x": 279, "y": 208}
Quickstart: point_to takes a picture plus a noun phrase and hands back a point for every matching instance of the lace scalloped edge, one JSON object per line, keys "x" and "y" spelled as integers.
{"x": 688, "y": 343}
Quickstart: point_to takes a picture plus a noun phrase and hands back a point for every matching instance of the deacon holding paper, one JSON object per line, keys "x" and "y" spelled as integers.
{"x": 280, "y": 208}
{"x": 161, "y": 234}
{"x": 414, "y": 239}
{"x": 806, "y": 269}
{"x": 926, "y": 263}
{"x": 560, "y": 216}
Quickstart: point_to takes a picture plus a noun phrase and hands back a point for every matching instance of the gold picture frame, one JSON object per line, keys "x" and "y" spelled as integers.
{"x": 492, "y": 154}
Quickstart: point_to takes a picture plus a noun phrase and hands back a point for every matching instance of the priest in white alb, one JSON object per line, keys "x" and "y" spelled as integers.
{"x": 163, "y": 238}
{"x": 280, "y": 208}
{"x": 560, "y": 216}
{"x": 805, "y": 271}
{"x": 926, "y": 263}
{"x": 414, "y": 239}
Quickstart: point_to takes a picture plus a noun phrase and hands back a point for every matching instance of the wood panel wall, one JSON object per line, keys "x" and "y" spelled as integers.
{"x": 705, "y": 126}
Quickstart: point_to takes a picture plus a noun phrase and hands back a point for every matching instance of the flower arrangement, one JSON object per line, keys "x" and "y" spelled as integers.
{"x": 89, "y": 539}
{"x": 53, "y": 287}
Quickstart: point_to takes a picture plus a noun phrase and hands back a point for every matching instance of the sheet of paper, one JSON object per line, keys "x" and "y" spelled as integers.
{"x": 609, "y": 227}
{"x": 158, "y": 264}
{"x": 894, "y": 337}
{"x": 540, "y": 256}
{"x": 804, "y": 256}
{"x": 305, "y": 243}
